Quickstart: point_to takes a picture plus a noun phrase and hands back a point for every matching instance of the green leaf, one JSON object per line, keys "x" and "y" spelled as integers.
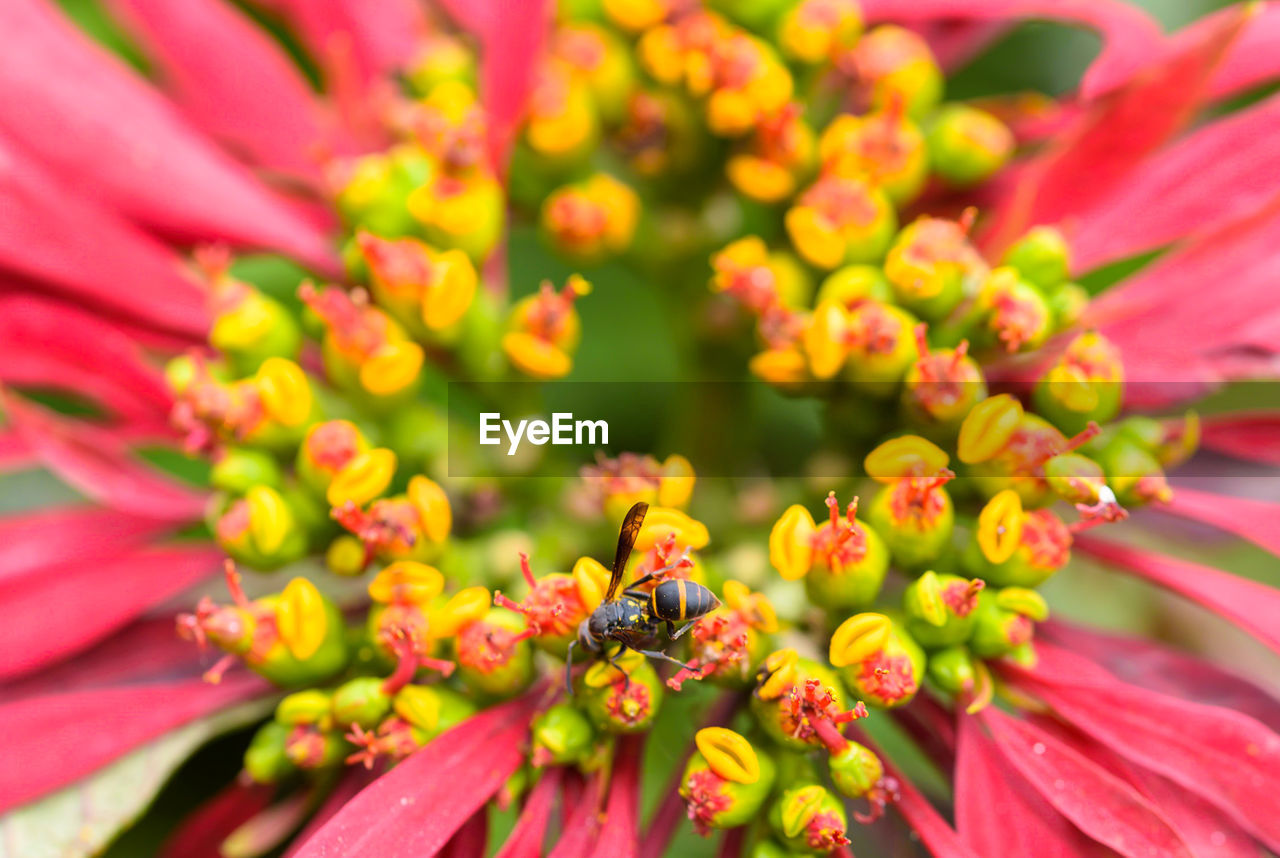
{"x": 80, "y": 820}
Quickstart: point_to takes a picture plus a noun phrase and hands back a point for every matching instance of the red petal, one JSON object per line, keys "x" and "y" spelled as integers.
{"x": 1223, "y": 756}
{"x": 471, "y": 840}
{"x": 511, "y": 35}
{"x": 350, "y": 783}
{"x": 62, "y": 609}
{"x": 1172, "y": 331}
{"x": 584, "y": 822}
{"x": 525, "y": 840}
{"x": 1223, "y": 171}
{"x": 1131, "y": 38}
{"x": 939, "y": 838}
{"x": 231, "y": 79}
{"x": 1252, "y": 606}
{"x": 49, "y": 234}
{"x": 119, "y": 141}
{"x": 955, "y": 43}
{"x": 1149, "y": 665}
{"x": 14, "y": 452}
{"x": 931, "y": 728}
{"x": 53, "y": 740}
{"x": 996, "y": 814}
{"x": 618, "y": 838}
{"x": 1202, "y": 826}
{"x": 1254, "y": 437}
{"x": 1114, "y": 137}
{"x": 1096, "y": 801}
{"x": 144, "y": 651}
{"x": 50, "y": 344}
{"x": 1254, "y": 520}
{"x": 415, "y": 808}
{"x": 1254, "y": 58}
{"x": 98, "y": 463}
{"x": 200, "y": 835}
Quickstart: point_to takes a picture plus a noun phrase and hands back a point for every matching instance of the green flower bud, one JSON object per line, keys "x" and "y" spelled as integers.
{"x": 882, "y": 347}
{"x": 345, "y": 556}
{"x": 431, "y": 709}
{"x": 1085, "y": 384}
{"x": 952, "y": 670}
{"x": 618, "y": 702}
{"x": 242, "y": 468}
{"x": 562, "y": 736}
{"x": 265, "y": 760}
{"x": 895, "y": 66}
{"x": 809, "y": 819}
{"x": 915, "y": 517}
{"x": 261, "y": 530}
{"x": 854, "y": 284}
{"x": 361, "y": 701}
{"x": 312, "y": 706}
{"x": 967, "y": 145}
{"x": 939, "y": 608}
{"x": 1004, "y": 620}
{"x": 494, "y": 655}
{"x": 309, "y": 747}
{"x": 849, "y": 564}
{"x": 312, "y": 644}
{"x": 855, "y": 770}
{"x": 1016, "y": 316}
{"x": 1041, "y": 256}
{"x": 782, "y": 674}
{"x": 1067, "y": 304}
{"x": 1133, "y": 472}
{"x": 375, "y": 190}
{"x": 719, "y": 792}
{"x": 1043, "y": 548}
{"x": 879, "y": 661}
{"x": 1075, "y": 478}
{"x": 443, "y": 58}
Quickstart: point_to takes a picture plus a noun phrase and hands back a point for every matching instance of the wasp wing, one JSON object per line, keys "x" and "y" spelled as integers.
{"x": 626, "y": 539}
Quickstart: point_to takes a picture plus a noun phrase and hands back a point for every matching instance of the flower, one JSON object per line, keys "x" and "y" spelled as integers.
{"x": 203, "y": 404}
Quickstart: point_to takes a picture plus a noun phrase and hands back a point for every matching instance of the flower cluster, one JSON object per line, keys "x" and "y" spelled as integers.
{"x": 419, "y": 651}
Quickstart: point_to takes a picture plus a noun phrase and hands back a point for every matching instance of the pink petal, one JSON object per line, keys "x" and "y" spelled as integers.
{"x": 511, "y": 35}
{"x": 525, "y": 840}
{"x": 117, "y": 140}
{"x": 1202, "y": 826}
{"x": 98, "y": 463}
{"x": 1252, "y": 606}
{"x": 15, "y": 455}
{"x": 1172, "y": 331}
{"x": 1222, "y": 171}
{"x": 1255, "y": 57}
{"x": 415, "y": 808}
{"x": 200, "y": 835}
{"x": 381, "y": 42}
{"x": 1096, "y": 801}
{"x": 50, "y": 235}
{"x": 1254, "y": 520}
{"x": 931, "y": 727}
{"x": 996, "y": 814}
{"x": 1254, "y": 437}
{"x": 955, "y": 43}
{"x": 38, "y": 539}
{"x": 1225, "y": 757}
{"x": 231, "y": 79}
{"x": 1114, "y": 137}
{"x": 54, "y": 345}
{"x": 62, "y": 609}
{"x": 1131, "y": 38}
{"x": 618, "y": 837}
{"x": 1147, "y": 664}
{"x": 53, "y": 740}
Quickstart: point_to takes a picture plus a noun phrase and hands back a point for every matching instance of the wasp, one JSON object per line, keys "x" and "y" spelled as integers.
{"x": 634, "y": 619}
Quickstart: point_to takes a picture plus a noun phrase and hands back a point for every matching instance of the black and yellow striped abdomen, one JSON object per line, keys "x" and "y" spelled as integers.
{"x": 681, "y": 600}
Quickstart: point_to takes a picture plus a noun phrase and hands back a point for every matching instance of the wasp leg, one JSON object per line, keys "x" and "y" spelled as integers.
{"x": 679, "y": 633}
{"x": 613, "y": 660}
{"x": 653, "y": 653}
{"x": 568, "y": 668}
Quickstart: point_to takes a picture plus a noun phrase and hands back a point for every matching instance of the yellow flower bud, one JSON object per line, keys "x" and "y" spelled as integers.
{"x": 780, "y": 366}
{"x": 662, "y": 521}
{"x": 987, "y": 428}
{"x": 285, "y": 391}
{"x": 824, "y": 339}
{"x": 465, "y": 607}
{"x": 782, "y": 669}
{"x": 301, "y": 618}
{"x": 451, "y": 291}
{"x": 363, "y": 478}
{"x": 728, "y": 754}
{"x": 392, "y": 368}
{"x": 1022, "y": 601}
{"x": 675, "y": 485}
{"x": 791, "y": 543}
{"x": 433, "y": 508}
{"x": 535, "y": 356}
{"x": 270, "y": 519}
{"x": 406, "y": 581}
{"x": 928, "y": 596}
{"x": 907, "y": 456}
{"x": 1000, "y": 526}
{"x": 592, "y": 579}
{"x": 858, "y": 637}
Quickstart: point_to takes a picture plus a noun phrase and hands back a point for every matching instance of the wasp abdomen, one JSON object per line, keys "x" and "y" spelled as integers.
{"x": 681, "y": 600}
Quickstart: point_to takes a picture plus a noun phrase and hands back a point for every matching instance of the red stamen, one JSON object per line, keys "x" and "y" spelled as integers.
{"x": 1087, "y": 434}
{"x": 526, "y": 571}
{"x": 214, "y": 675}
{"x": 401, "y": 643}
{"x": 233, "y": 585}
